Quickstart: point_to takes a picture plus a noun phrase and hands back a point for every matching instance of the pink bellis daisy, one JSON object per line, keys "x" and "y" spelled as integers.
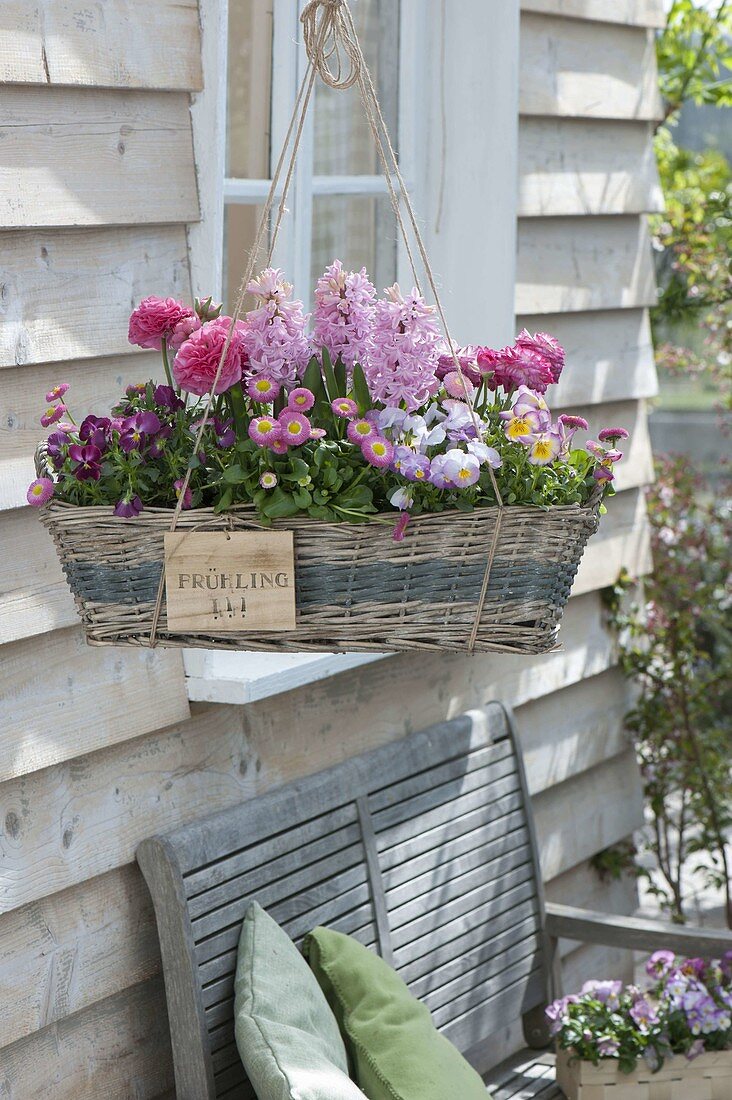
{"x": 295, "y": 427}
{"x": 301, "y": 399}
{"x": 263, "y": 390}
{"x": 360, "y": 430}
{"x": 612, "y": 435}
{"x": 377, "y": 451}
{"x": 268, "y": 480}
{"x": 344, "y": 408}
{"x": 458, "y": 386}
{"x": 265, "y": 430}
{"x": 52, "y": 414}
{"x": 39, "y": 492}
{"x": 57, "y": 392}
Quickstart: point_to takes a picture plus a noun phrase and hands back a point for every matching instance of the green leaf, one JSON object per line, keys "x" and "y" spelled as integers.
{"x": 300, "y": 468}
{"x": 313, "y": 380}
{"x": 359, "y": 497}
{"x": 330, "y": 380}
{"x": 224, "y": 501}
{"x": 234, "y": 475}
{"x": 319, "y": 511}
{"x": 340, "y": 377}
{"x": 302, "y": 498}
{"x": 280, "y": 504}
{"x": 361, "y": 389}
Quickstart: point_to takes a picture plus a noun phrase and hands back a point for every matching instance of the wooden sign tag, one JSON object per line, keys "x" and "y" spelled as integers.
{"x": 217, "y": 582}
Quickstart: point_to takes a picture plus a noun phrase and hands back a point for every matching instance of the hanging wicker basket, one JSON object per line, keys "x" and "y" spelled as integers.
{"x": 356, "y": 588}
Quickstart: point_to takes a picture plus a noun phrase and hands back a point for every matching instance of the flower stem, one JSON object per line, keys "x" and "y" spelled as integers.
{"x": 166, "y": 364}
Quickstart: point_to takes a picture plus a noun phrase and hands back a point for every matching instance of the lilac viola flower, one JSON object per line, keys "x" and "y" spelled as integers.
{"x": 607, "y": 1046}
{"x": 487, "y": 456}
{"x": 439, "y": 476}
{"x": 605, "y": 992}
{"x": 462, "y": 469}
{"x": 136, "y": 429}
{"x": 88, "y": 460}
{"x": 128, "y": 508}
{"x": 661, "y": 964}
{"x": 416, "y": 467}
{"x": 643, "y": 1014}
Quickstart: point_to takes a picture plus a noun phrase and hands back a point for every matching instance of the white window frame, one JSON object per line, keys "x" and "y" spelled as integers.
{"x": 487, "y": 30}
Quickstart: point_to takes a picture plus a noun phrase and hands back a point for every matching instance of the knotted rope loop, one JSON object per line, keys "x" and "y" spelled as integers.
{"x": 328, "y": 36}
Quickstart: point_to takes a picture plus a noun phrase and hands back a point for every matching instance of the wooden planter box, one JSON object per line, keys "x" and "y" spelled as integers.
{"x": 708, "y": 1077}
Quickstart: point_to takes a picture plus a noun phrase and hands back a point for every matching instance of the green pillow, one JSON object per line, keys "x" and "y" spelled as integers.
{"x": 287, "y": 1036}
{"x": 397, "y": 1052}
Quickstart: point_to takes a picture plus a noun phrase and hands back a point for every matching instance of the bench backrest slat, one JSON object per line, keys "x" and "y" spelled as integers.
{"x": 422, "y": 849}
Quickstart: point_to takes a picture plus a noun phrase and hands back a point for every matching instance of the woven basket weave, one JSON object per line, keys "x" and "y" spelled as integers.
{"x": 356, "y": 588}
{"x": 708, "y": 1077}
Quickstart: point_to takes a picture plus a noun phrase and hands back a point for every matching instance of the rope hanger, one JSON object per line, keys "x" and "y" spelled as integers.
{"x": 335, "y": 55}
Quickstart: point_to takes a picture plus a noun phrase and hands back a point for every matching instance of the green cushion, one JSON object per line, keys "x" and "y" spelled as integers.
{"x": 396, "y": 1051}
{"x": 287, "y": 1036}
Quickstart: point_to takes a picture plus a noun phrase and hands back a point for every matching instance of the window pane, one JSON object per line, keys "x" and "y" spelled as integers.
{"x": 249, "y": 88}
{"x": 240, "y": 227}
{"x": 342, "y": 138}
{"x": 360, "y": 231}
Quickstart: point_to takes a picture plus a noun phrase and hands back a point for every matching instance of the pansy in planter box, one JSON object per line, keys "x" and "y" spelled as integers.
{"x": 351, "y": 416}
{"x": 685, "y": 1010}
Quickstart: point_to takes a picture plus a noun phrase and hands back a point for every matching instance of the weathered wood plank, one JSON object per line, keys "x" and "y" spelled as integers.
{"x": 609, "y": 355}
{"x": 35, "y": 597}
{"x": 71, "y": 821}
{"x": 119, "y": 1048}
{"x": 642, "y": 13}
{"x": 587, "y": 962}
{"x": 75, "y": 157}
{"x": 606, "y": 803}
{"x": 573, "y": 730}
{"x": 67, "y": 294}
{"x": 623, "y": 542}
{"x": 68, "y": 42}
{"x": 584, "y": 70}
{"x": 95, "y": 384}
{"x": 64, "y": 952}
{"x": 578, "y": 166}
{"x": 573, "y": 264}
{"x": 583, "y": 887}
{"x": 639, "y": 934}
{"x": 59, "y": 697}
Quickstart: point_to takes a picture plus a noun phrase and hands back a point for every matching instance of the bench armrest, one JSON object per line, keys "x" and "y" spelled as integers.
{"x": 589, "y": 926}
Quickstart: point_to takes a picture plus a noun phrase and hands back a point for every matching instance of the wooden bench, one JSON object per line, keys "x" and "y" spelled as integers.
{"x": 423, "y": 850}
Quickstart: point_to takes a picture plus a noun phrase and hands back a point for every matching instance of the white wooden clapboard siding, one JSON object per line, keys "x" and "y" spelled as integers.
{"x": 75, "y": 156}
{"x": 120, "y": 1047}
{"x": 642, "y": 13}
{"x": 62, "y": 953}
{"x": 609, "y": 355}
{"x": 83, "y": 818}
{"x": 575, "y": 68}
{"x": 67, "y": 293}
{"x": 65, "y": 940}
{"x": 578, "y": 166}
{"x": 575, "y": 264}
{"x": 47, "y": 685}
{"x": 102, "y": 43}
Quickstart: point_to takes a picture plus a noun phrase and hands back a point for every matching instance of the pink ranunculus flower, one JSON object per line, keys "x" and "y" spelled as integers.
{"x": 155, "y": 320}
{"x": 185, "y": 328}
{"x": 195, "y": 365}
